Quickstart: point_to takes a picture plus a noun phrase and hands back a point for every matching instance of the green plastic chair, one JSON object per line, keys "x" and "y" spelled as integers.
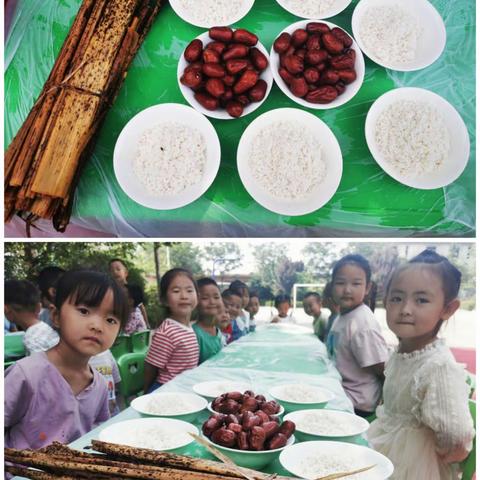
{"x": 131, "y": 366}
{"x": 140, "y": 341}
{"x": 469, "y": 464}
{"x": 471, "y": 383}
{"x": 14, "y": 348}
{"x": 122, "y": 346}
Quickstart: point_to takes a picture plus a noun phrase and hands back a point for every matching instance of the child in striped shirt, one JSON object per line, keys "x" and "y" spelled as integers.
{"x": 174, "y": 347}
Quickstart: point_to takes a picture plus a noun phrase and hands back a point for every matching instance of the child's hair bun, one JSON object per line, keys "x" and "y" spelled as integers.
{"x": 451, "y": 275}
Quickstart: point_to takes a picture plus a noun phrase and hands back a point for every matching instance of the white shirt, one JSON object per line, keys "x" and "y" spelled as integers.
{"x": 40, "y": 338}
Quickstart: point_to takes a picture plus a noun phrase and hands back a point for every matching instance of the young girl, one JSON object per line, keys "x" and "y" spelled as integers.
{"x": 243, "y": 319}
{"x": 136, "y": 322}
{"x": 424, "y": 425}
{"x": 225, "y": 325}
{"x": 208, "y": 334}
{"x": 119, "y": 272}
{"x": 253, "y": 308}
{"x": 312, "y": 306}
{"x": 174, "y": 347}
{"x": 355, "y": 342}
{"x": 55, "y": 395}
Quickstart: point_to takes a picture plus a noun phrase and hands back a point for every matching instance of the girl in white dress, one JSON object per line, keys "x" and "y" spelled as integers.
{"x": 424, "y": 425}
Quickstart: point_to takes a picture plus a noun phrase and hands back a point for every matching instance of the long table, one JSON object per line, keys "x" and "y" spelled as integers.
{"x": 272, "y": 355}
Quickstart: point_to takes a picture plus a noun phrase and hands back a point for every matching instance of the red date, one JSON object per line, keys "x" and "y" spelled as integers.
{"x": 237, "y": 50}
{"x": 193, "y": 51}
{"x": 222, "y": 34}
{"x": 243, "y": 36}
{"x": 282, "y": 43}
{"x": 247, "y": 81}
{"x": 206, "y": 100}
{"x": 259, "y": 60}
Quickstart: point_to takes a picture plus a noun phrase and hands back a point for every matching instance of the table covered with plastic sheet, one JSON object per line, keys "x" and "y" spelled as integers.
{"x": 273, "y": 355}
{"x": 367, "y": 203}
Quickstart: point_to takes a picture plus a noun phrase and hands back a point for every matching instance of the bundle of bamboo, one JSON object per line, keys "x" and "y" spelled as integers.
{"x": 44, "y": 160}
{"x": 59, "y": 462}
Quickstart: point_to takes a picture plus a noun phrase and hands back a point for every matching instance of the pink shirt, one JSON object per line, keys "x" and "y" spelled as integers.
{"x": 136, "y": 322}
{"x": 355, "y": 342}
{"x": 40, "y": 406}
{"x": 174, "y": 349}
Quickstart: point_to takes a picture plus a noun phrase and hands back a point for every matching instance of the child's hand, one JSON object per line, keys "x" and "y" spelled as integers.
{"x": 454, "y": 455}
{"x": 275, "y": 320}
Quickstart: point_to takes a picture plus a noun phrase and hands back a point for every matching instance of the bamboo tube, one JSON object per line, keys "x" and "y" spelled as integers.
{"x": 35, "y": 474}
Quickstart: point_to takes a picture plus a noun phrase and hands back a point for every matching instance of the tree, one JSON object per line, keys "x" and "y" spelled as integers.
{"x": 223, "y": 257}
{"x": 287, "y": 274}
{"x": 318, "y": 258}
{"x": 186, "y": 255}
{"x": 267, "y": 257}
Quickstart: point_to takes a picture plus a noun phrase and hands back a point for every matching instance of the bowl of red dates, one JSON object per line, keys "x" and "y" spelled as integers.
{"x": 225, "y": 73}
{"x": 249, "y": 435}
{"x": 317, "y": 64}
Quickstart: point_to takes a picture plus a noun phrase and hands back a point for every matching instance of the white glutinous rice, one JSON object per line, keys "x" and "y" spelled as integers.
{"x": 212, "y": 12}
{"x": 285, "y": 159}
{"x": 156, "y": 438}
{"x": 326, "y": 423}
{"x": 170, "y": 158}
{"x": 391, "y": 33}
{"x": 302, "y": 393}
{"x": 412, "y": 137}
{"x": 321, "y": 465}
{"x": 311, "y": 8}
{"x": 171, "y": 404}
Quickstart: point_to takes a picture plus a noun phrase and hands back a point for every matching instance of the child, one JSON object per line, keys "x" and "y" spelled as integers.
{"x": 174, "y": 346}
{"x": 55, "y": 395}
{"x": 119, "y": 272}
{"x": 424, "y": 425}
{"x": 208, "y": 334}
{"x": 253, "y": 308}
{"x": 233, "y": 304}
{"x": 283, "y": 305}
{"x": 225, "y": 325}
{"x": 136, "y": 322}
{"x": 209, "y": 297}
{"x": 105, "y": 364}
{"x": 243, "y": 319}
{"x": 22, "y": 307}
{"x": 312, "y": 306}
{"x": 355, "y": 341}
{"x": 329, "y": 302}
{"x": 47, "y": 283}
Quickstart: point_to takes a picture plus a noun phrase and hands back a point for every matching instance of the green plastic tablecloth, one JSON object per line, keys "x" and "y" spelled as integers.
{"x": 273, "y": 355}
{"x": 368, "y": 202}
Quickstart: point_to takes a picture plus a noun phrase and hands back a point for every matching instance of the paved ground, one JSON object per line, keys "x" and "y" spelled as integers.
{"x": 459, "y": 331}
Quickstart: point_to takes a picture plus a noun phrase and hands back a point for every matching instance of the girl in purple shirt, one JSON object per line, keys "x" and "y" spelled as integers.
{"x": 55, "y": 395}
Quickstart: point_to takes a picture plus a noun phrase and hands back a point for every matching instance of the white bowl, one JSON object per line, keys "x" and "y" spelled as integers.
{"x": 357, "y": 425}
{"x": 332, "y": 156}
{"x": 215, "y": 388}
{"x": 459, "y": 140}
{"x": 126, "y": 147}
{"x": 250, "y": 458}
{"x": 351, "y": 89}
{"x": 187, "y": 15}
{"x": 279, "y": 414}
{"x": 357, "y": 456}
{"x": 197, "y": 404}
{"x": 430, "y": 45}
{"x": 335, "y": 9}
{"x": 278, "y": 393}
{"x": 221, "y": 113}
{"x": 139, "y": 433}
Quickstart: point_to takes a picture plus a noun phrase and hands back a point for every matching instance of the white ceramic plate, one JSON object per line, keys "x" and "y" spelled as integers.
{"x": 216, "y": 388}
{"x": 459, "y": 140}
{"x": 337, "y": 7}
{"x": 358, "y": 456}
{"x": 357, "y": 425}
{"x": 140, "y": 433}
{"x": 221, "y": 113}
{"x": 278, "y": 393}
{"x": 331, "y": 154}
{"x": 430, "y": 45}
{"x": 195, "y": 404}
{"x": 187, "y": 14}
{"x": 126, "y": 148}
{"x": 351, "y": 89}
